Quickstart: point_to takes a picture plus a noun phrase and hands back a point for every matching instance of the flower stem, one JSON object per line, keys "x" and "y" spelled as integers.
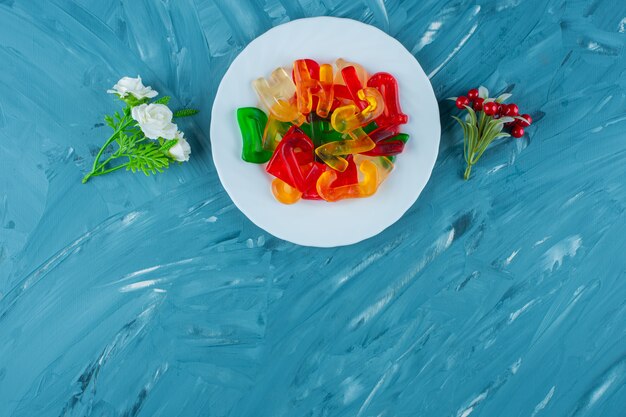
{"x": 107, "y": 143}
{"x": 97, "y": 167}
{"x": 102, "y": 172}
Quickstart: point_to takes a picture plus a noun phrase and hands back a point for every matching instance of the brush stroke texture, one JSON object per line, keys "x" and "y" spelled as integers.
{"x": 134, "y": 296}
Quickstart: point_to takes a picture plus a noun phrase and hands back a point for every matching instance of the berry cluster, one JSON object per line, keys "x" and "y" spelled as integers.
{"x": 496, "y": 110}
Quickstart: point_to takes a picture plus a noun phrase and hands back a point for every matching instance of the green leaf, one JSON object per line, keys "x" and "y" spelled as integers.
{"x": 483, "y": 92}
{"x": 503, "y": 97}
{"x": 148, "y": 158}
{"x": 472, "y": 114}
{"x": 133, "y": 101}
{"x": 466, "y": 136}
{"x": 121, "y": 139}
{"x": 461, "y": 122}
{"x": 185, "y": 112}
{"x": 110, "y": 122}
{"x": 163, "y": 100}
{"x": 167, "y": 145}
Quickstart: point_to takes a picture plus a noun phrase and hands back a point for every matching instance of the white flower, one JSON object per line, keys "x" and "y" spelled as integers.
{"x": 132, "y": 86}
{"x": 181, "y": 150}
{"x": 155, "y": 120}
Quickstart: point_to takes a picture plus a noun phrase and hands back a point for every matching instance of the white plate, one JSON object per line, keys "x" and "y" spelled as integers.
{"x": 318, "y": 223}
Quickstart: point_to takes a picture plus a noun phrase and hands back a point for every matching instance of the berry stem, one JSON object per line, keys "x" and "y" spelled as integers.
{"x": 468, "y": 171}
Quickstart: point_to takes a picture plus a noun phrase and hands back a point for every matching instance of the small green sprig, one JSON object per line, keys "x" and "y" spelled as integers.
{"x": 185, "y": 112}
{"x": 129, "y": 147}
{"x": 480, "y": 131}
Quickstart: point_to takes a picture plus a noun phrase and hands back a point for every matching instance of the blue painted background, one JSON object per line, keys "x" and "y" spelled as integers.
{"x": 134, "y": 296}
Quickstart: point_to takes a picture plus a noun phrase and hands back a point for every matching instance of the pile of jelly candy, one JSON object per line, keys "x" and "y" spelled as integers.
{"x": 330, "y": 133}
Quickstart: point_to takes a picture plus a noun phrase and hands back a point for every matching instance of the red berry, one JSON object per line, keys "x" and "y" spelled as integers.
{"x": 472, "y": 94}
{"x": 501, "y": 109}
{"x": 490, "y": 108}
{"x": 517, "y": 131}
{"x": 512, "y": 110}
{"x": 528, "y": 121}
{"x": 461, "y": 102}
{"x": 478, "y": 104}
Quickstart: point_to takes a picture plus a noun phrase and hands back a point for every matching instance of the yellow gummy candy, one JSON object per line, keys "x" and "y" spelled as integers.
{"x": 331, "y": 153}
{"x": 360, "y": 71}
{"x": 284, "y": 192}
{"x": 364, "y": 188}
{"x": 278, "y": 95}
{"x": 274, "y": 132}
{"x": 348, "y": 118}
{"x": 384, "y": 166}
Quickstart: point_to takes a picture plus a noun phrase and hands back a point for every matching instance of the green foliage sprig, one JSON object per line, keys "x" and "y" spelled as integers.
{"x": 479, "y": 131}
{"x": 478, "y": 135}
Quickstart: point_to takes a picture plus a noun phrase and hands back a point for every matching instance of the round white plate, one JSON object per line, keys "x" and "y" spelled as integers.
{"x": 318, "y": 223}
